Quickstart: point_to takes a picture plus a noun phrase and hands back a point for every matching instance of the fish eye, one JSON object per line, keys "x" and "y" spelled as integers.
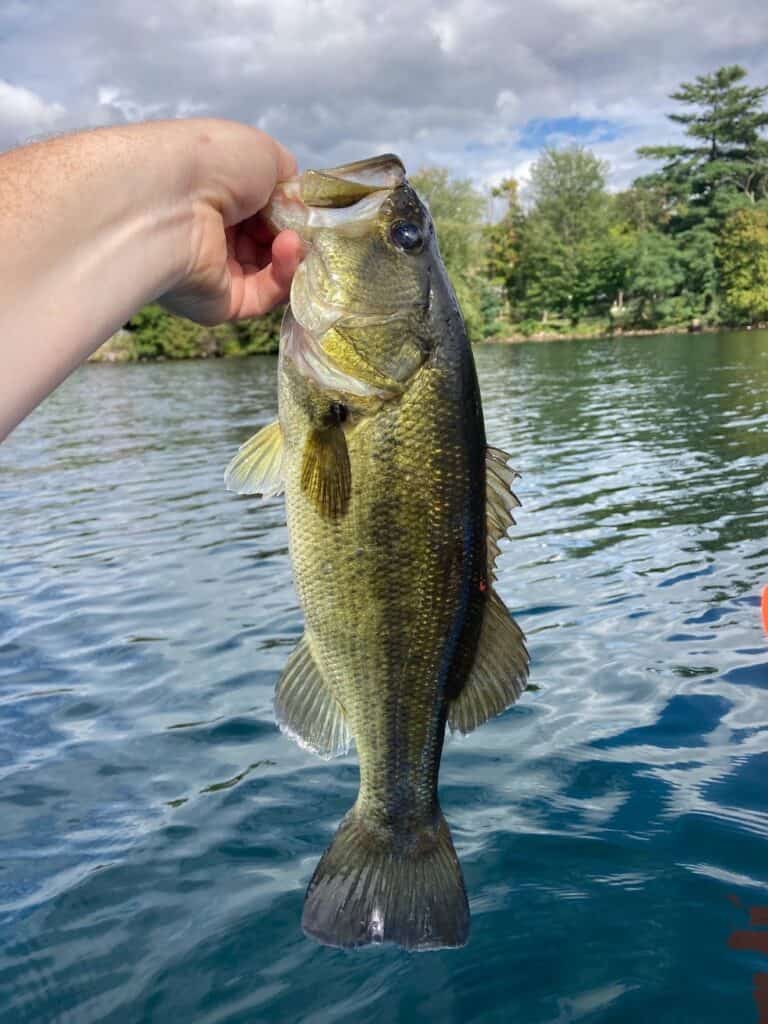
{"x": 406, "y": 236}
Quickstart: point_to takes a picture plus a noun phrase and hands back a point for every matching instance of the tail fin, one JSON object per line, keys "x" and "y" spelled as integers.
{"x": 371, "y": 888}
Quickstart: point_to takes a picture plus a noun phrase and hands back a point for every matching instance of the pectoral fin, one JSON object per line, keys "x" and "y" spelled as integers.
{"x": 499, "y": 671}
{"x": 326, "y": 477}
{"x": 499, "y": 500}
{"x": 305, "y": 708}
{"x": 258, "y": 466}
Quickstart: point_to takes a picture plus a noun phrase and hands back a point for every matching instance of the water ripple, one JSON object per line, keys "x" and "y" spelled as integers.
{"x": 158, "y": 832}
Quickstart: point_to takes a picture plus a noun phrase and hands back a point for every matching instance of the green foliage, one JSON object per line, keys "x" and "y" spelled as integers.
{"x": 743, "y": 256}
{"x": 157, "y": 334}
{"x": 563, "y": 254}
{"x": 700, "y": 283}
{"x": 568, "y": 191}
{"x": 501, "y": 238}
{"x": 256, "y": 336}
{"x": 646, "y": 205}
{"x": 457, "y": 208}
{"x": 653, "y": 276}
{"x": 147, "y": 328}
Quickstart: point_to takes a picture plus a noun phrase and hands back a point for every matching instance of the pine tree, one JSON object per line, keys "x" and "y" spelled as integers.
{"x": 726, "y": 157}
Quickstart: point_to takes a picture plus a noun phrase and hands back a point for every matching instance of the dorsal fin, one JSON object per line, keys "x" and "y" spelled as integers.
{"x": 499, "y": 500}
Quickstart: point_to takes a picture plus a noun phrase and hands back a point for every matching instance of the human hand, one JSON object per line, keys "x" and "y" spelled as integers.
{"x": 96, "y": 224}
{"x": 237, "y": 266}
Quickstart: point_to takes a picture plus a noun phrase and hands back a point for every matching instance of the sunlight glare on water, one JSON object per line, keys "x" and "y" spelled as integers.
{"x": 157, "y": 831}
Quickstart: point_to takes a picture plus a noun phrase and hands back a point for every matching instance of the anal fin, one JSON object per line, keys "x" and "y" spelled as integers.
{"x": 305, "y": 708}
{"x": 499, "y": 671}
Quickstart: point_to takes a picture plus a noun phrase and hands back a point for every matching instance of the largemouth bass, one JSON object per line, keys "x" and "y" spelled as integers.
{"x": 395, "y": 508}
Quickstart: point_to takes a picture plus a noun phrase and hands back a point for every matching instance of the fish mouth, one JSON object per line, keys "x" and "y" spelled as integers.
{"x": 346, "y": 198}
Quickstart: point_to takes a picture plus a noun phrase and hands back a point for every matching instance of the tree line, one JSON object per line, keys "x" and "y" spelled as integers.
{"x": 686, "y": 242}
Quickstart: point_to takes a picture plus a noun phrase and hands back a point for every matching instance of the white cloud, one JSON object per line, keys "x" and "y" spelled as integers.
{"x": 453, "y": 81}
{"x": 446, "y": 30}
{"x": 24, "y": 114}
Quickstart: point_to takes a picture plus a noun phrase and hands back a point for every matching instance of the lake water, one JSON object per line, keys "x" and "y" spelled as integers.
{"x": 157, "y": 831}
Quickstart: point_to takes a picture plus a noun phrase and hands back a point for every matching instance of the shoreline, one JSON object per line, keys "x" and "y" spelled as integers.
{"x": 639, "y": 332}
{"x": 117, "y": 349}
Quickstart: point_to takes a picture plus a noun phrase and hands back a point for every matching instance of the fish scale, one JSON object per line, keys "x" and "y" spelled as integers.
{"x": 408, "y": 581}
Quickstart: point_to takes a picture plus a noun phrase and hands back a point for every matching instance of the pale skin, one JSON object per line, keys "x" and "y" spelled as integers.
{"x": 94, "y": 225}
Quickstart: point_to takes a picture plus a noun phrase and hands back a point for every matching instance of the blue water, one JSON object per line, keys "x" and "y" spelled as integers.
{"x": 156, "y": 830}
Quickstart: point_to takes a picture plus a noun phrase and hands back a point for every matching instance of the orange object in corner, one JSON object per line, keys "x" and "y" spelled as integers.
{"x": 764, "y": 608}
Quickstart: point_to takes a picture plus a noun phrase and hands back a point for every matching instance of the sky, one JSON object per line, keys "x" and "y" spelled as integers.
{"x": 478, "y": 86}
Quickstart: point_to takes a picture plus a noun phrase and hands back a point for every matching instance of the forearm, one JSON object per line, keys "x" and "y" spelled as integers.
{"x": 92, "y": 227}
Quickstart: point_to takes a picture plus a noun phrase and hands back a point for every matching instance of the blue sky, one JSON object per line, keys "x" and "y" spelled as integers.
{"x": 555, "y": 131}
{"x": 475, "y": 85}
